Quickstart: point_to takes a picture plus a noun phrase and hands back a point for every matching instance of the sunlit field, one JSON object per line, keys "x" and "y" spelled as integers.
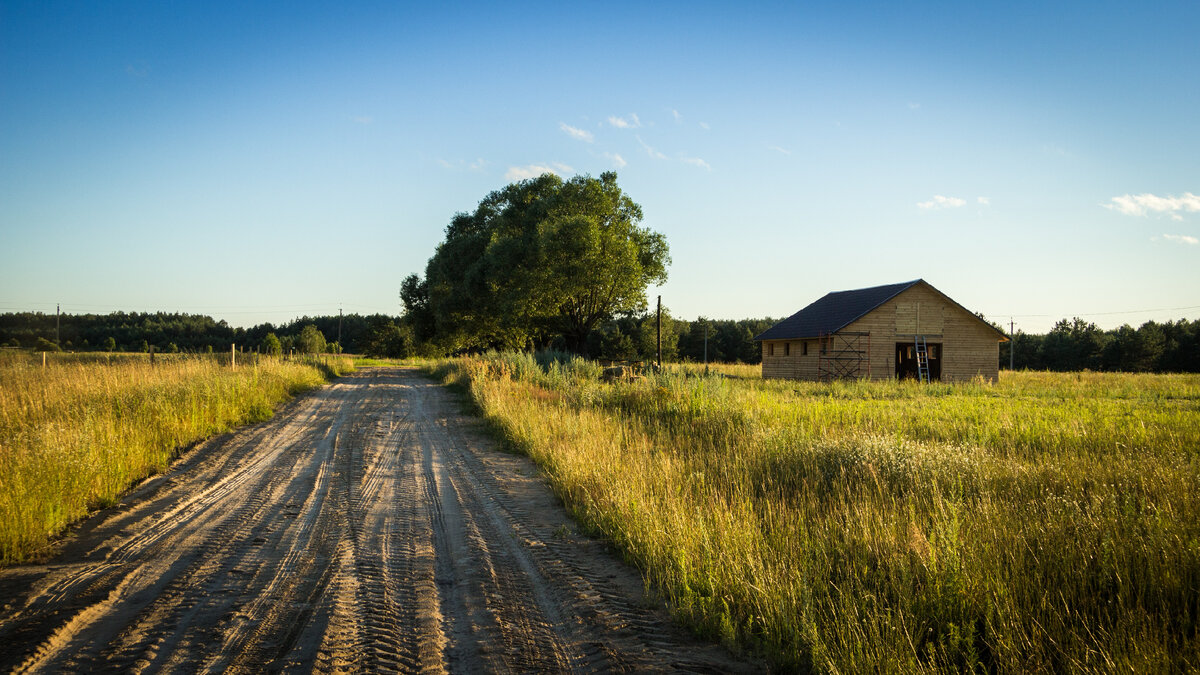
{"x": 1042, "y": 522}
{"x": 78, "y": 432}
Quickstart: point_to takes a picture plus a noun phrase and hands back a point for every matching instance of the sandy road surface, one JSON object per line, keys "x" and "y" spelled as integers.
{"x": 368, "y": 527}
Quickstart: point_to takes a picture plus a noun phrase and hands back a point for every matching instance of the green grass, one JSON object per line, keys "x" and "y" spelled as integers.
{"x": 74, "y": 435}
{"x": 1046, "y": 522}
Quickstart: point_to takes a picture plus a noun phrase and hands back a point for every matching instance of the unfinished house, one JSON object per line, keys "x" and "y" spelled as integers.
{"x": 908, "y": 330}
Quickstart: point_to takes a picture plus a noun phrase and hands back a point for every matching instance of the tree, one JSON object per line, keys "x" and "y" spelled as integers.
{"x": 390, "y": 340}
{"x": 310, "y": 341}
{"x": 538, "y": 258}
{"x": 44, "y": 345}
{"x": 110, "y": 344}
{"x": 1074, "y": 345}
{"x": 270, "y": 345}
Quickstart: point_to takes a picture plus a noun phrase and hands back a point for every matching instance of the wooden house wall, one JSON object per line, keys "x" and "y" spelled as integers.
{"x": 795, "y": 365}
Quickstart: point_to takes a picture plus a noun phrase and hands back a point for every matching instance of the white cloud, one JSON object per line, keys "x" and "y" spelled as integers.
{"x": 362, "y": 119}
{"x": 780, "y": 150}
{"x": 983, "y": 200}
{"x": 696, "y": 161}
{"x": 913, "y": 106}
{"x": 676, "y": 115}
{"x": 632, "y": 122}
{"x": 649, "y": 150}
{"x": 1181, "y": 239}
{"x": 704, "y": 126}
{"x": 478, "y": 164}
{"x": 1140, "y": 205}
{"x": 617, "y": 160}
{"x": 535, "y": 170}
{"x": 578, "y": 134}
{"x": 940, "y": 202}
{"x": 446, "y": 164}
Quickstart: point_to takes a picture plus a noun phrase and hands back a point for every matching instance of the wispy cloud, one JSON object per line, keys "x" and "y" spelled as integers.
{"x": 940, "y": 202}
{"x": 696, "y": 161}
{"x": 138, "y": 70}
{"x": 649, "y": 150}
{"x": 578, "y": 134}
{"x": 1146, "y": 203}
{"x": 983, "y": 201}
{"x": 362, "y": 119}
{"x": 477, "y": 164}
{"x": 676, "y": 115}
{"x": 779, "y": 149}
{"x": 616, "y": 159}
{"x": 704, "y": 126}
{"x": 913, "y": 105}
{"x": 1181, "y": 239}
{"x": 631, "y": 122}
{"x": 535, "y": 170}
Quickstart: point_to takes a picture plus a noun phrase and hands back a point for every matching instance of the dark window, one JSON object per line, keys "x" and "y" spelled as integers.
{"x": 787, "y": 349}
{"x": 804, "y": 348}
{"x": 770, "y": 349}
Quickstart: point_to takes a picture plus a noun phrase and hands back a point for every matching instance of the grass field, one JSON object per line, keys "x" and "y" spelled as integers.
{"x": 77, "y": 433}
{"x": 1046, "y": 522}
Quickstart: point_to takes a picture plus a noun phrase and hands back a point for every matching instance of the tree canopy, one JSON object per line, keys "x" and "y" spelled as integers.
{"x": 537, "y": 259}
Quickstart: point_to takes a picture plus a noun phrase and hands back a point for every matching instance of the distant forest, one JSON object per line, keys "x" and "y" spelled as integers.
{"x": 1170, "y": 347}
{"x": 1071, "y": 345}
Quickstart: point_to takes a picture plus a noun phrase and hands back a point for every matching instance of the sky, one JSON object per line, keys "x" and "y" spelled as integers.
{"x": 263, "y": 161}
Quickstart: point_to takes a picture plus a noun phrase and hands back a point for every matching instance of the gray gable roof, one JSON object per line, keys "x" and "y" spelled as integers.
{"x": 834, "y": 312}
{"x": 837, "y": 310}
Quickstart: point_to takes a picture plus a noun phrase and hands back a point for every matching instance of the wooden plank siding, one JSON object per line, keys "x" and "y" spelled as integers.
{"x": 969, "y": 347}
{"x": 789, "y": 362}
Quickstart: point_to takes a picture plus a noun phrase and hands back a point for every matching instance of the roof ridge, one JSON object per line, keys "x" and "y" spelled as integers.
{"x": 837, "y": 309}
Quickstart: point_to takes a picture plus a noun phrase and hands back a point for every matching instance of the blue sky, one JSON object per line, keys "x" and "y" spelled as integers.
{"x": 259, "y": 162}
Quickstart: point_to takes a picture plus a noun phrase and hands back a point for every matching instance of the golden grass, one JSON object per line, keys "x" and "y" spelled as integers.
{"x": 76, "y": 434}
{"x": 1047, "y": 522}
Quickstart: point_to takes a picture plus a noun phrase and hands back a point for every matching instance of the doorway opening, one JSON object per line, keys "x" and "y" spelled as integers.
{"x": 906, "y": 361}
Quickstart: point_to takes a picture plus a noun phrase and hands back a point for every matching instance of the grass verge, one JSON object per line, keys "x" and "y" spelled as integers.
{"x": 1046, "y": 522}
{"x": 75, "y": 434}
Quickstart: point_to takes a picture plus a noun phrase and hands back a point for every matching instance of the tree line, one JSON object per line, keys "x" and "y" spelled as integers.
{"x": 1075, "y": 344}
{"x": 177, "y": 332}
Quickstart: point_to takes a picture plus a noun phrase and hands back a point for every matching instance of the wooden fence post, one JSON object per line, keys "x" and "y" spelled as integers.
{"x": 233, "y": 356}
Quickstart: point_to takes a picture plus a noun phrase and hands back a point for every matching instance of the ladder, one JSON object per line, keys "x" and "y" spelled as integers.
{"x": 922, "y": 358}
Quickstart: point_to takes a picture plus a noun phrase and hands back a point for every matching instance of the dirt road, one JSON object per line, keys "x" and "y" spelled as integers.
{"x": 369, "y": 526}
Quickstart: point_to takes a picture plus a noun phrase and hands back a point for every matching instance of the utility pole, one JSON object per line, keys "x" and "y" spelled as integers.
{"x": 339, "y": 327}
{"x": 706, "y": 346}
{"x": 658, "y": 330}
{"x": 57, "y": 320}
{"x": 1012, "y": 344}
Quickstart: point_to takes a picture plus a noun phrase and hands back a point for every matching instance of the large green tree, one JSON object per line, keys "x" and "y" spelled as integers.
{"x": 537, "y": 259}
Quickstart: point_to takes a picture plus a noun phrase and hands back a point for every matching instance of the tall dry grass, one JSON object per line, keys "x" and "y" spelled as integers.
{"x": 77, "y": 433}
{"x": 1047, "y": 522}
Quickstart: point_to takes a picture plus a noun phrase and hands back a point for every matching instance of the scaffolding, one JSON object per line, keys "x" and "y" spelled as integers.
{"x": 844, "y": 356}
